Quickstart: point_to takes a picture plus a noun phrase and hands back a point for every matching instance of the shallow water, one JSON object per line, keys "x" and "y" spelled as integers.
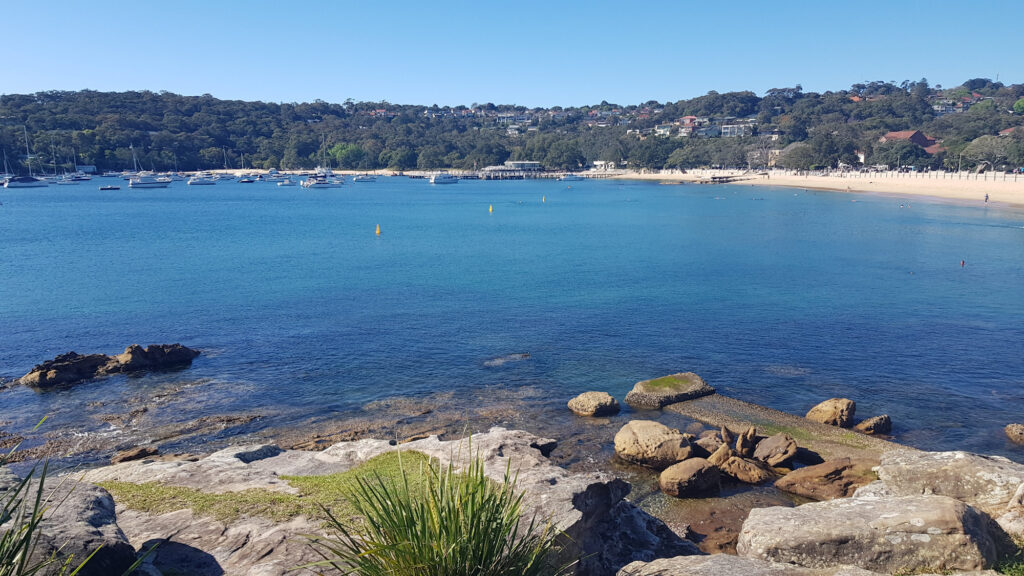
{"x": 776, "y": 296}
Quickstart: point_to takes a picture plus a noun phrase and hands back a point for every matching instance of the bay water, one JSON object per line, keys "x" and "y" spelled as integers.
{"x": 778, "y": 296}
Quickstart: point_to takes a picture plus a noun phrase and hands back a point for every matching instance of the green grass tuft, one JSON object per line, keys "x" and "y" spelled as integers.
{"x": 315, "y": 492}
{"x": 455, "y": 524}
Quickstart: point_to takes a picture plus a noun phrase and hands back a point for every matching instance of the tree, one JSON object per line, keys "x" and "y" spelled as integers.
{"x": 897, "y": 153}
{"x": 987, "y": 150}
{"x": 798, "y": 157}
{"x": 1018, "y": 106}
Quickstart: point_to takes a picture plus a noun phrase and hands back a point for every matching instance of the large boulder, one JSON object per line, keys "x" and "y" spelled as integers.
{"x": 902, "y": 534}
{"x": 155, "y": 357}
{"x": 65, "y": 369}
{"x": 834, "y": 411}
{"x": 985, "y": 482}
{"x": 709, "y": 441}
{"x": 747, "y": 471}
{"x": 690, "y": 478}
{"x": 651, "y": 444}
{"x": 659, "y": 392}
{"x": 829, "y": 480}
{"x": 875, "y": 425}
{"x": 729, "y": 565}
{"x": 1015, "y": 432}
{"x": 79, "y": 520}
{"x": 776, "y": 450}
{"x": 594, "y": 404}
{"x": 72, "y": 367}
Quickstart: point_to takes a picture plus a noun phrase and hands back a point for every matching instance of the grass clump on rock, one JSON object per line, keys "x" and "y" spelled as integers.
{"x": 454, "y": 524}
{"x": 314, "y": 493}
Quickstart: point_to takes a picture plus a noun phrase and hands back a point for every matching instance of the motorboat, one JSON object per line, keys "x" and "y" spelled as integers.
{"x": 443, "y": 178}
{"x": 110, "y": 187}
{"x": 25, "y": 182}
{"x": 246, "y": 180}
{"x": 570, "y": 177}
{"x": 148, "y": 181}
{"x": 364, "y": 178}
{"x": 201, "y": 179}
{"x": 286, "y": 182}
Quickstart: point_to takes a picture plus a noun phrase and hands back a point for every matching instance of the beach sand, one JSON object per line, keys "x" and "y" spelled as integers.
{"x": 963, "y": 187}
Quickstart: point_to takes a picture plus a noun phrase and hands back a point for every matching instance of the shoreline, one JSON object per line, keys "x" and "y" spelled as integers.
{"x": 1002, "y": 189}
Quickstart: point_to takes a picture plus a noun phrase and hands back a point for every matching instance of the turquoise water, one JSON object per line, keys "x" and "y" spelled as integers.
{"x": 777, "y": 296}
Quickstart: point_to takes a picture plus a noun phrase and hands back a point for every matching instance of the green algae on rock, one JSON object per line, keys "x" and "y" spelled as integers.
{"x": 658, "y": 392}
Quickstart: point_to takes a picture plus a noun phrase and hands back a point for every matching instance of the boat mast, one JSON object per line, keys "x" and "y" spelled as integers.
{"x": 28, "y": 154}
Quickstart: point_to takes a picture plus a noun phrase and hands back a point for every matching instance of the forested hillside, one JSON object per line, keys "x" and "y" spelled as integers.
{"x": 737, "y": 129}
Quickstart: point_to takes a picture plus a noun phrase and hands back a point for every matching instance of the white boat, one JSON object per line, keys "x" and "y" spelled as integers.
{"x": 148, "y": 181}
{"x": 364, "y": 178}
{"x": 443, "y": 178}
{"x": 570, "y": 177}
{"x": 201, "y": 179}
{"x": 25, "y": 182}
{"x": 322, "y": 178}
{"x": 286, "y": 182}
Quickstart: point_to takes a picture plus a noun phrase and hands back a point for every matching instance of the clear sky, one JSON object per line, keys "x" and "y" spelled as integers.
{"x": 531, "y": 53}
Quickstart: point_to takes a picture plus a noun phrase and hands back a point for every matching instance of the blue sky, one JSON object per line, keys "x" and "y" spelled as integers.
{"x": 531, "y": 53}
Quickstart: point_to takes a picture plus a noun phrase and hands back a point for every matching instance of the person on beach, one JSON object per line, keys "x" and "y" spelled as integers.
{"x": 986, "y": 198}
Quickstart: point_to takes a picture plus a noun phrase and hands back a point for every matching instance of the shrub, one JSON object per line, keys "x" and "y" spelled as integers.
{"x": 454, "y": 524}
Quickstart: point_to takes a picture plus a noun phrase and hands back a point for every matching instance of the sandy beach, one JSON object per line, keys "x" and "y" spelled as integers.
{"x": 965, "y": 187}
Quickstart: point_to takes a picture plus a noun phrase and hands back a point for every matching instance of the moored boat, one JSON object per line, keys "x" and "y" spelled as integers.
{"x": 570, "y": 177}
{"x": 364, "y": 178}
{"x": 443, "y": 178}
{"x": 25, "y": 182}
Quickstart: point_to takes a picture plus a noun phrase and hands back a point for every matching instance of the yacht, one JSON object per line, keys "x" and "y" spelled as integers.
{"x": 25, "y": 182}
{"x": 322, "y": 178}
{"x": 286, "y": 182}
{"x": 570, "y": 177}
{"x": 148, "y": 181}
{"x": 364, "y": 178}
{"x": 443, "y": 178}
{"x": 201, "y": 179}
{"x": 246, "y": 179}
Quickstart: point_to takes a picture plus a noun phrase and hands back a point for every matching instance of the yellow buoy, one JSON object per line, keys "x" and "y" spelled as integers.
{"x": 378, "y": 229}
{"x": 490, "y": 208}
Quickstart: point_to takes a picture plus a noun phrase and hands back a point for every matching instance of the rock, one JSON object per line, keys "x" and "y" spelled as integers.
{"x": 835, "y": 412}
{"x": 603, "y": 531}
{"x": 709, "y": 441}
{"x": 729, "y": 565}
{"x": 833, "y": 479}
{"x": 721, "y": 456}
{"x": 136, "y": 453}
{"x": 747, "y": 471}
{"x": 985, "y": 482}
{"x": 904, "y": 534}
{"x": 1015, "y": 432}
{"x": 80, "y": 520}
{"x": 72, "y": 367}
{"x": 653, "y": 394}
{"x": 155, "y": 357}
{"x": 65, "y": 369}
{"x": 651, "y": 444}
{"x": 875, "y": 425}
{"x": 776, "y": 450}
{"x": 689, "y": 478}
{"x": 746, "y": 442}
{"x": 594, "y": 404}
{"x": 727, "y": 435}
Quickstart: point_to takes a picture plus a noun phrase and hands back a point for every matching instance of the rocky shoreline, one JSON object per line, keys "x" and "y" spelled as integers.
{"x": 794, "y": 495}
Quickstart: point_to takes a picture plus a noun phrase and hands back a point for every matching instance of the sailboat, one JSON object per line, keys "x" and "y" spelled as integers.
{"x": 143, "y": 180}
{"x": 29, "y": 181}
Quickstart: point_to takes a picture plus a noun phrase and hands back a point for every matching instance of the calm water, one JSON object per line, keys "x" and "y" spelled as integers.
{"x": 777, "y": 296}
